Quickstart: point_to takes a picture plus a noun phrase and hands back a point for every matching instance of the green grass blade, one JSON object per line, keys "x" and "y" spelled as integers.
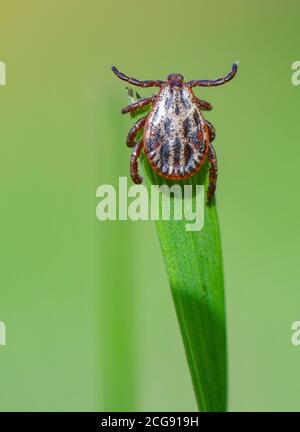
{"x": 193, "y": 261}
{"x": 194, "y": 266}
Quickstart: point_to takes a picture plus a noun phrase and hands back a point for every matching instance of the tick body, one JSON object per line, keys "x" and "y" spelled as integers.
{"x": 176, "y": 138}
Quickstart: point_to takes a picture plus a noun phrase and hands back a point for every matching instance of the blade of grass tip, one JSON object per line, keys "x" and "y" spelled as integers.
{"x": 193, "y": 261}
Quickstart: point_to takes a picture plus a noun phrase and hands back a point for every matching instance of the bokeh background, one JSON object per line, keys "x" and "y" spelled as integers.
{"x": 89, "y": 316}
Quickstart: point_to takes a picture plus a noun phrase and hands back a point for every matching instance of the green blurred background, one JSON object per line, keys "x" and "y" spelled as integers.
{"x": 89, "y": 316}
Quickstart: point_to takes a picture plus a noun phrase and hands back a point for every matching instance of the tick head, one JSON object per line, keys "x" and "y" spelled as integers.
{"x": 175, "y": 79}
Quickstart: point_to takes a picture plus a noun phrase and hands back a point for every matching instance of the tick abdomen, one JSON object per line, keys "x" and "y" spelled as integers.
{"x": 175, "y": 138}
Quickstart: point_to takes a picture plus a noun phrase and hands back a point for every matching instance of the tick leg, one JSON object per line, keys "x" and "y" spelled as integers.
{"x": 139, "y": 104}
{"x": 134, "y": 174}
{"x": 212, "y": 131}
{"x": 203, "y": 105}
{"x": 213, "y": 172}
{"x": 217, "y": 82}
{"x": 134, "y": 81}
{"x": 134, "y": 130}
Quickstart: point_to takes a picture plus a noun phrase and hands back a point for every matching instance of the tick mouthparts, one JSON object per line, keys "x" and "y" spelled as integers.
{"x": 175, "y": 79}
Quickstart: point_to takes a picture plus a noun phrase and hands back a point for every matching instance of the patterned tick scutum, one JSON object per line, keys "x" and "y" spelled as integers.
{"x": 177, "y": 139}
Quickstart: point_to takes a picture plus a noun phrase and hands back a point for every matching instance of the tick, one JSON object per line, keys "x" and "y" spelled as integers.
{"x": 176, "y": 138}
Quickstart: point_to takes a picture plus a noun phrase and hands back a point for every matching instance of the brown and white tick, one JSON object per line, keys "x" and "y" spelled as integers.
{"x": 176, "y": 139}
